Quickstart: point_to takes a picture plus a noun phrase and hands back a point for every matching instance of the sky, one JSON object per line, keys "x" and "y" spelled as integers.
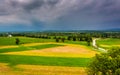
{"x": 39, "y": 15}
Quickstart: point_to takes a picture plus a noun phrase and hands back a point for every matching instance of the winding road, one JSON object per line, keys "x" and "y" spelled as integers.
{"x": 99, "y": 48}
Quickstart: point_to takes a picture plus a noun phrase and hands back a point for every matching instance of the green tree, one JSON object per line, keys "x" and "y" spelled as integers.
{"x": 17, "y": 41}
{"x": 69, "y": 38}
{"x": 88, "y": 39}
{"x": 74, "y": 38}
{"x": 117, "y": 72}
{"x": 106, "y": 63}
{"x": 57, "y": 39}
{"x": 63, "y": 39}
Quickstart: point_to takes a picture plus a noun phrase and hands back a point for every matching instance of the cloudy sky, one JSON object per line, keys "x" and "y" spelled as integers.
{"x": 30, "y": 15}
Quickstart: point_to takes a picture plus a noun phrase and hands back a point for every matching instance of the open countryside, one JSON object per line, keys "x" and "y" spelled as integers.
{"x": 38, "y": 55}
{"x": 59, "y": 37}
{"x": 49, "y": 56}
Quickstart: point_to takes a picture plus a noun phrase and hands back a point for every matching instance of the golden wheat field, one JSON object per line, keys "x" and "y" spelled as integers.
{"x": 40, "y": 70}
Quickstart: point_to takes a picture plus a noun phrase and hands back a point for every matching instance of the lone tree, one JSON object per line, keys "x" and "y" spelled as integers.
{"x": 57, "y": 39}
{"x": 88, "y": 39}
{"x": 74, "y": 38}
{"x": 106, "y": 63}
{"x": 17, "y": 41}
{"x": 63, "y": 39}
{"x": 69, "y": 38}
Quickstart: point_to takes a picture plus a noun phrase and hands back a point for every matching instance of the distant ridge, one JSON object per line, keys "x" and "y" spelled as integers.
{"x": 114, "y": 29}
{"x": 105, "y": 30}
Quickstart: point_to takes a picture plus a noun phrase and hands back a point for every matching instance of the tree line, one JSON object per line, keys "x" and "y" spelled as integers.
{"x": 68, "y": 34}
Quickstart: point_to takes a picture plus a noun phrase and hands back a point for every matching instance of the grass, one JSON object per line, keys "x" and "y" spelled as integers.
{"x": 23, "y": 40}
{"x": 40, "y": 60}
{"x": 24, "y": 48}
{"x": 77, "y": 42}
{"x": 108, "y": 43}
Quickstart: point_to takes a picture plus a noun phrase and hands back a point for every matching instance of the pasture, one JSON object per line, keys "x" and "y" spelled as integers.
{"x": 43, "y": 57}
{"x": 108, "y": 43}
{"x": 23, "y": 40}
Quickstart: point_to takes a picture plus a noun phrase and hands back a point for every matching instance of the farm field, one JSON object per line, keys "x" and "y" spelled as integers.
{"x": 68, "y": 50}
{"x": 44, "y": 58}
{"x": 40, "y": 70}
{"x": 23, "y": 40}
{"x": 108, "y": 43}
{"x": 26, "y": 40}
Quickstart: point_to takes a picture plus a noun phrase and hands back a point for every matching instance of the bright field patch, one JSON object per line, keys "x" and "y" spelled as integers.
{"x": 108, "y": 43}
{"x": 63, "y": 51}
{"x": 40, "y": 70}
{"x": 3, "y": 47}
{"x": 52, "y": 70}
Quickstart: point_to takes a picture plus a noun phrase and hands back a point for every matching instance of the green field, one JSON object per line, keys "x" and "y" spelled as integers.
{"x": 108, "y": 43}
{"x": 23, "y": 40}
{"x": 14, "y": 60}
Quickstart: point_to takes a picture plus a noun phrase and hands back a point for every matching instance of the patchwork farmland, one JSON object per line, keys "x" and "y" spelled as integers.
{"x": 51, "y": 58}
{"x": 53, "y": 55}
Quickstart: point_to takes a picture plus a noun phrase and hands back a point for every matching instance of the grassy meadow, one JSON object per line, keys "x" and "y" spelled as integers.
{"x": 6, "y": 41}
{"x": 23, "y": 40}
{"x": 108, "y": 43}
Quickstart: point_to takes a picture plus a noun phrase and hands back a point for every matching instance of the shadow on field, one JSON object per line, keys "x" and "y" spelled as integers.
{"x": 14, "y": 60}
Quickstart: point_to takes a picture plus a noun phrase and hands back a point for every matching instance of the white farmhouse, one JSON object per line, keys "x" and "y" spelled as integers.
{"x": 9, "y": 35}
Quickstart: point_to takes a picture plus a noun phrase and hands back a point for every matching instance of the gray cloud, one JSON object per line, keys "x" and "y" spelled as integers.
{"x": 24, "y": 11}
{"x": 43, "y": 10}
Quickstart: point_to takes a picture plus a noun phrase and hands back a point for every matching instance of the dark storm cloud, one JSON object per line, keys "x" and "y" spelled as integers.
{"x": 43, "y": 10}
{"x": 36, "y": 4}
{"x": 79, "y": 12}
{"x": 33, "y": 5}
